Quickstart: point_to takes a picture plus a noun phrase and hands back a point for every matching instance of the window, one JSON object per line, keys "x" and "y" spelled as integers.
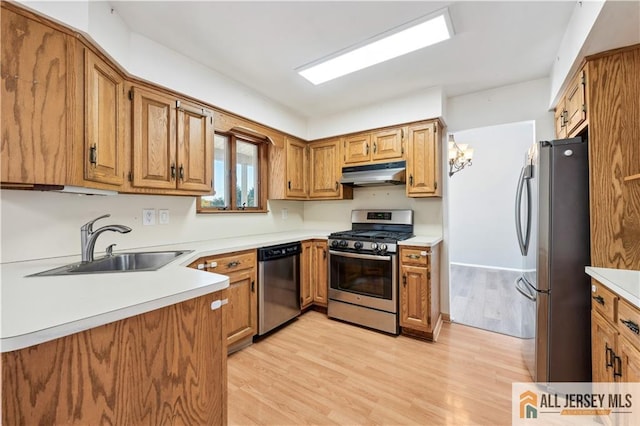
{"x": 239, "y": 175}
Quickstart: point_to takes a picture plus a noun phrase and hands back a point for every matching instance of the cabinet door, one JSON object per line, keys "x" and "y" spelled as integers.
{"x": 195, "y": 147}
{"x": 306, "y": 275}
{"x": 423, "y": 161}
{"x": 296, "y": 168}
{"x": 559, "y": 116}
{"x": 154, "y": 140}
{"x": 357, "y": 149}
{"x": 603, "y": 345}
{"x": 324, "y": 164}
{"x": 575, "y": 106}
{"x": 104, "y": 125}
{"x": 242, "y": 312}
{"x": 387, "y": 144}
{"x": 320, "y": 272}
{"x": 35, "y": 84}
{"x": 629, "y": 361}
{"x": 415, "y": 299}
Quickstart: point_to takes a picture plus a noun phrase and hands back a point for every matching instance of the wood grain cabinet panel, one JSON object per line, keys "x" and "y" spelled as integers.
{"x": 172, "y": 143}
{"x": 420, "y": 291}
{"x": 314, "y": 273}
{"x": 388, "y": 144}
{"x": 306, "y": 275}
{"x": 36, "y": 81}
{"x": 154, "y": 140}
{"x": 325, "y": 170}
{"x": 357, "y": 149}
{"x": 195, "y": 147}
{"x": 423, "y": 160}
{"x": 167, "y": 366}
{"x": 104, "y": 124}
{"x": 297, "y": 171}
{"x": 241, "y": 314}
{"x": 615, "y": 345}
{"x": 320, "y": 270}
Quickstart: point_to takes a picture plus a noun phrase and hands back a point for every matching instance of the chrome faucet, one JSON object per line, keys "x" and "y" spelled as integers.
{"x": 88, "y": 236}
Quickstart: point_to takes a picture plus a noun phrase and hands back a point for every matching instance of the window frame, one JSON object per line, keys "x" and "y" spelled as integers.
{"x": 263, "y": 173}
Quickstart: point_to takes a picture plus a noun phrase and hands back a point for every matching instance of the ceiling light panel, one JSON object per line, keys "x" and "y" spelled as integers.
{"x": 411, "y": 37}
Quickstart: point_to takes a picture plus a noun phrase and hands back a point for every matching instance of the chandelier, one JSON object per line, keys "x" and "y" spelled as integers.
{"x": 460, "y": 156}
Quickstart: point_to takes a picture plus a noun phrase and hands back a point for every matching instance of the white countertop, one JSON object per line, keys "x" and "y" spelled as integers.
{"x": 624, "y": 282}
{"x": 421, "y": 241}
{"x": 39, "y": 309}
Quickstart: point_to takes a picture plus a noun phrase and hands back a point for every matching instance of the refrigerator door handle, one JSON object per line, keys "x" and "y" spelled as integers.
{"x": 521, "y": 243}
{"x": 523, "y": 291}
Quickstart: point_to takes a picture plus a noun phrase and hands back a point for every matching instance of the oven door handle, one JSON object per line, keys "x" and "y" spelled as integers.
{"x": 359, "y": 255}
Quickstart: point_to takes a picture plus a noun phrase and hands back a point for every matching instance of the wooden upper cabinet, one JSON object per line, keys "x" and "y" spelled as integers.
{"x": 357, "y": 149}
{"x": 104, "y": 124}
{"x": 36, "y": 79}
{"x": 195, "y": 147}
{"x": 172, "y": 142}
{"x": 423, "y": 160}
{"x": 296, "y": 165}
{"x": 153, "y": 139}
{"x": 325, "y": 170}
{"x": 575, "y": 103}
{"x": 388, "y": 144}
{"x": 571, "y": 112}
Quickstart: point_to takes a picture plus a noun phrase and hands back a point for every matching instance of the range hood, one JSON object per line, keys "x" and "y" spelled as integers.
{"x": 375, "y": 174}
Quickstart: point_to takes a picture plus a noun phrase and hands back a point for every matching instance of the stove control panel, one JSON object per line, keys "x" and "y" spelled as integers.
{"x": 363, "y": 246}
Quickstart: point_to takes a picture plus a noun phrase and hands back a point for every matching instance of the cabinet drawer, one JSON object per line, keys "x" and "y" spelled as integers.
{"x": 227, "y": 263}
{"x": 603, "y": 300}
{"x": 418, "y": 256}
{"x": 629, "y": 321}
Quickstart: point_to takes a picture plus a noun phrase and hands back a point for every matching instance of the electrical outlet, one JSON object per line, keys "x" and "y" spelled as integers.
{"x": 163, "y": 216}
{"x": 148, "y": 216}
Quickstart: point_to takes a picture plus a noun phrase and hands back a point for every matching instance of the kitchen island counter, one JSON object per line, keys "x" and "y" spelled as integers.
{"x": 39, "y": 309}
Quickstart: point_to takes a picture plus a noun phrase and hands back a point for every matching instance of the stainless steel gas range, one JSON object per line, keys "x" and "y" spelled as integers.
{"x": 363, "y": 268}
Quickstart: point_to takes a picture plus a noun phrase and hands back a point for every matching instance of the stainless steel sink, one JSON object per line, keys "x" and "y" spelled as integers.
{"x": 120, "y": 262}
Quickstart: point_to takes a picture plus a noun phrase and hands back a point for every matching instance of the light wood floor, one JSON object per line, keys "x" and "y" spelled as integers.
{"x": 321, "y": 371}
{"x": 486, "y": 298}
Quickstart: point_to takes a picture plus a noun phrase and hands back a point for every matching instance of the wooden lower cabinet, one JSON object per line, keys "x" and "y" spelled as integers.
{"x": 241, "y": 317}
{"x": 167, "y": 366}
{"x": 420, "y": 291}
{"x": 615, "y": 346}
{"x": 314, "y": 270}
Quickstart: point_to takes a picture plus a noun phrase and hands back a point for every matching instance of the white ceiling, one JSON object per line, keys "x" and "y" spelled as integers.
{"x": 260, "y": 44}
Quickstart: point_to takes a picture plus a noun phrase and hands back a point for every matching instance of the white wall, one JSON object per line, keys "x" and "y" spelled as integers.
{"x": 416, "y": 106}
{"x": 47, "y": 224}
{"x": 481, "y": 197}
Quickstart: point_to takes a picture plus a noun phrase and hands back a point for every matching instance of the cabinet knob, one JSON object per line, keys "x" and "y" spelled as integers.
{"x": 173, "y": 171}
{"x": 411, "y": 180}
{"x": 181, "y": 172}
{"x": 598, "y": 299}
{"x": 404, "y": 280}
{"x": 93, "y": 154}
{"x": 367, "y": 149}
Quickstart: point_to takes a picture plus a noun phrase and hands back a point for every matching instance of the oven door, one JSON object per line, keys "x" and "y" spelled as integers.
{"x": 364, "y": 279}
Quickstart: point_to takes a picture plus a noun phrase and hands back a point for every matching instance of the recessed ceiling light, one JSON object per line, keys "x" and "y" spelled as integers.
{"x": 415, "y": 35}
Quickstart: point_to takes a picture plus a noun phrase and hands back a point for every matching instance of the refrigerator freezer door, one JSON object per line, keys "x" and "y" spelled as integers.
{"x": 523, "y": 215}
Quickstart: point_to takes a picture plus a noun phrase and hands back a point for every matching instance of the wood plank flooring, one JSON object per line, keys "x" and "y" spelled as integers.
{"x": 320, "y": 371}
{"x": 486, "y": 298}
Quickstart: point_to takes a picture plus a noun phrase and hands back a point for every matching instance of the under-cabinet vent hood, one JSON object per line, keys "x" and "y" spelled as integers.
{"x": 375, "y": 174}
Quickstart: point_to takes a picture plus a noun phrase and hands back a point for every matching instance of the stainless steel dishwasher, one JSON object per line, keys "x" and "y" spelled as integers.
{"x": 278, "y": 285}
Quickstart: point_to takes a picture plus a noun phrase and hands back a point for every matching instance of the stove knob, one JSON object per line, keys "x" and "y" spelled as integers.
{"x": 358, "y": 245}
{"x": 334, "y": 243}
{"x": 343, "y": 243}
{"x": 374, "y": 246}
{"x": 383, "y": 247}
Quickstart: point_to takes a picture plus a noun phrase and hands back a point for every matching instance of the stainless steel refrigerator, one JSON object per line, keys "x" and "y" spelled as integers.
{"x": 552, "y": 226}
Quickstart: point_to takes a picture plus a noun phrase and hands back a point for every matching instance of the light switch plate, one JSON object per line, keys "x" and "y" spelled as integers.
{"x": 148, "y": 216}
{"x": 163, "y": 216}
